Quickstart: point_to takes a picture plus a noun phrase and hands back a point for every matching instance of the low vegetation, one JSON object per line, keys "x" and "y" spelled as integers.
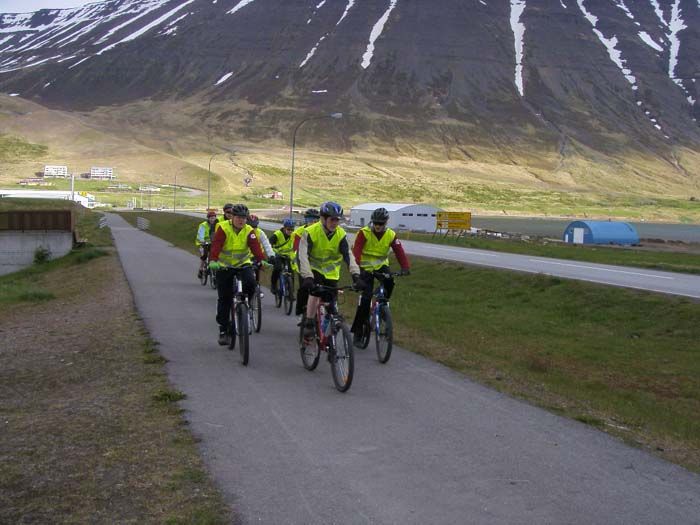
{"x": 91, "y": 431}
{"x": 627, "y": 362}
{"x": 13, "y": 149}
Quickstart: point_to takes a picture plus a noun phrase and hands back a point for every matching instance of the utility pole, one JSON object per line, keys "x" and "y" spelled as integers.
{"x": 175, "y": 193}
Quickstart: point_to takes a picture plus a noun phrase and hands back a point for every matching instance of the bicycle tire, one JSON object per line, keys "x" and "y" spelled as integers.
{"x": 203, "y": 278}
{"x": 279, "y": 292}
{"x": 384, "y": 333}
{"x": 342, "y": 358}
{"x": 310, "y": 354}
{"x": 243, "y": 332}
{"x": 212, "y": 279}
{"x": 289, "y": 295}
{"x": 232, "y": 330}
{"x": 256, "y": 308}
{"x": 366, "y": 335}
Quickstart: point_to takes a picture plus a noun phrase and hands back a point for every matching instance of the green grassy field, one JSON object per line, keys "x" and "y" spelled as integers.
{"x": 627, "y": 362}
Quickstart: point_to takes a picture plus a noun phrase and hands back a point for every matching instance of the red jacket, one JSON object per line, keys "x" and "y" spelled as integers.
{"x": 220, "y": 238}
{"x": 395, "y": 245}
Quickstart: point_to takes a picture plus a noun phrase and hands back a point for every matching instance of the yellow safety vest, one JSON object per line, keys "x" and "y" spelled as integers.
{"x": 283, "y": 246}
{"x": 375, "y": 252}
{"x": 207, "y": 237}
{"x": 235, "y": 252}
{"x": 325, "y": 256}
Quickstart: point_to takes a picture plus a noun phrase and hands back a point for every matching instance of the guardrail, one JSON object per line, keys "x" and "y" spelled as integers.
{"x": 142, "y": 223}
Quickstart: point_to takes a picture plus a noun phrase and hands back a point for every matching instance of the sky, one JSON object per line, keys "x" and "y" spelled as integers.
{"x": 26, "y": 6}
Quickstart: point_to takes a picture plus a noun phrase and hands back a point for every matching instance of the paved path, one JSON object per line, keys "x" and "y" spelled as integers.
{"x": 411, "y": 443}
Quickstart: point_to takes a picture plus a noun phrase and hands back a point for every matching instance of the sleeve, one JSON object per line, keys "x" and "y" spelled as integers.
{"x": 400, "y": 253}
{"x": 217, "y": 244}
{"x": 255, "y": 247}
{"x": 266, "y": 244}
{"x": 200, "y": 234}
{"x": 297, "y": 241}
{"x": 349, "y": 260}
{"x": 303, "y": 254}
{"x": 358, "y": 245}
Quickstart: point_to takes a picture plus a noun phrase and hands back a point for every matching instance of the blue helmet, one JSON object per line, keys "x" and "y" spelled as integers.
{"x": 331, "y": 209}
{"x": 288, "y": 223}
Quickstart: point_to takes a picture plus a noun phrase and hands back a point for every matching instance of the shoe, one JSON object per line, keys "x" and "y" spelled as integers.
{"x": 224, "y": 337}
{"x": 309, "y": 329}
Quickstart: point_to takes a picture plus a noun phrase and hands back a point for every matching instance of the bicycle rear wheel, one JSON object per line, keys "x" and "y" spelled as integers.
{"x": 384, "y": 333}
{"x": 243, "y": 332}
{"x": 342, "y": 358}
{"x": 309, "y": 350}
{"x": 288, "y": 294}
{"x": 256, "y": 310}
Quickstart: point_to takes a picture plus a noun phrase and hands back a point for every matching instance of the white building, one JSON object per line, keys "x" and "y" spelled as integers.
{"x": 86, "y": 199}
{"x": 402, "y": 216}
{"x": 102, "y": 173}
{"x": 56, "y": 171}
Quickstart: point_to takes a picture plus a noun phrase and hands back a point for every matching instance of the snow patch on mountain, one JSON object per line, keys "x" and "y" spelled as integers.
{"x": 375, "y": 33}
{"x": 224, "y": 78}
{"x": 347, "y": 8}
{"x": 239, "y": 5}
{"x": 646, "y": 38}
{"x": 517, "y": 7}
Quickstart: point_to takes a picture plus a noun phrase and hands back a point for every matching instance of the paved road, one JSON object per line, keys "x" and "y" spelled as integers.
{"x": 411, "y": 442}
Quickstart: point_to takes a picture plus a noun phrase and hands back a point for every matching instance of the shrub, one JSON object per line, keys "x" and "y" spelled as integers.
{"x": 42, "y": 255}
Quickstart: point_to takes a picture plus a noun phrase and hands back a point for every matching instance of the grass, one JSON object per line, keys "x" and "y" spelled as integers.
{"x": 92, "y": 431}
{"x": 13, "y": 149}
{"x": 653, "y": 260}
{"x": 180, "y": 230}
{"x": 624, "y": 361}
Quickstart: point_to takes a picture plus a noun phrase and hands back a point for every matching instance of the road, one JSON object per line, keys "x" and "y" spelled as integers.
{"x": 412, "y": 442}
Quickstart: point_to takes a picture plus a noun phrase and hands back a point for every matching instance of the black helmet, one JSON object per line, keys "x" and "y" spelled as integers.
{"x": 312, "y": 213}
{"x": 228, "y": 206}
{"x": 239, "y": 210}
{"x": 331, "y": 209}
{"x": 380, "y": 216}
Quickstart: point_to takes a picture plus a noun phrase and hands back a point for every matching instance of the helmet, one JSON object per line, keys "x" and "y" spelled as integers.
{"x": 253, "y": 220}
{"x": 239, "y": 210}
{"x": 312, "y": 213}
{"x": 211, "y": 213}
{"x": 228, "y": 206}
{"x": 288, "y": 223}
{"x": 380, "y": 216}
{"x": 331, "y": 209}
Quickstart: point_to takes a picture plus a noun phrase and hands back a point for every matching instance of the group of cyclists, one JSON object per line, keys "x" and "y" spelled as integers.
{"x": 235, "y": 245}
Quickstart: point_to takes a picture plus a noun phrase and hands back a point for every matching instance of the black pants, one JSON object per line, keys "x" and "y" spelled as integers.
{"x": 362, "y": 313}
{"x": 303, "y": 294}
{"x": 224, "y": 287}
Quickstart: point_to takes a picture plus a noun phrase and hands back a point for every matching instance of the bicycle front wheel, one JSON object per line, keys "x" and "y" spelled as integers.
{"x": 279, "y": 291}
{"x": 203, "y": 278}
{"x": 242, "y": 330}
{"x": 256, "y": 310}
{"x": 308, "y": 348}
{"x": 342, "y": 358}
{"x": 212, "y": 279}
{"x": 288, "y": 294}
{"x": 384, "y": 333}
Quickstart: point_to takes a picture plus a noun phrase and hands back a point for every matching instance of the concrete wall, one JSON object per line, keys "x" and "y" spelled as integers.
{"x": 17, "y": 247}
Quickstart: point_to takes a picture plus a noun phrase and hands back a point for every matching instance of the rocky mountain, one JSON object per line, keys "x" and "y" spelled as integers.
{"x": 518, "y": 79}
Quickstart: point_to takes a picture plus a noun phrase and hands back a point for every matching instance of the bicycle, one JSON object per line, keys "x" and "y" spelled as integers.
{"x": 285, "y": 286}
{"x": 240, "y": 318}
{"x": 329, "y": 324}
{"x": 379, "y": 320}
{"x": 256, "y": 309}
{"x": 205, "y": 273}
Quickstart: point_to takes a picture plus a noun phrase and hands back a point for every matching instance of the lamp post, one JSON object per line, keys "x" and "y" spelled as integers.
{"x": 294, "y": 144}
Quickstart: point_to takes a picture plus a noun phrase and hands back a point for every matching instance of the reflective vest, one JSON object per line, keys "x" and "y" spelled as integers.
{"x": 325, "y": 256}
{"x": 235, "y": 251}
{"x": 283, "y": 246}
{"x": 207, "y": 237}
{"x": 375, "y": 252}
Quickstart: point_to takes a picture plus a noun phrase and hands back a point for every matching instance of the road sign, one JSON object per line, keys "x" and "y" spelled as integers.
{"x": 454, "y": 220}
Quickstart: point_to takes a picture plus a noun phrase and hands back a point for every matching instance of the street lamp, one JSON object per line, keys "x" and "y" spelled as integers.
{"x": 209, "y": 182}
{"x": 294, "y": 144}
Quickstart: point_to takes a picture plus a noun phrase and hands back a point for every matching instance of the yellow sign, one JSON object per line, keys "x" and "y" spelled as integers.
{"x": 454, "y": 220}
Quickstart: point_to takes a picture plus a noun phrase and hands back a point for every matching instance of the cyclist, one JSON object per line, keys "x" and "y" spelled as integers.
{"x": 254, "y": 221}
{"x": 205, "y": 231}
{"x": 322, "y": 247}
{"x": 371, "y": 251}
{"x": 226, "y": 214}
{"x": 311, "y": 216}
{"x": 233, "y": 249}
{"x": 282, "y": 242}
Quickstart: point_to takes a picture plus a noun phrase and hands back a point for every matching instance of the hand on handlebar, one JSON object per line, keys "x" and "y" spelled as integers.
{"x": 214, "y": 266}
